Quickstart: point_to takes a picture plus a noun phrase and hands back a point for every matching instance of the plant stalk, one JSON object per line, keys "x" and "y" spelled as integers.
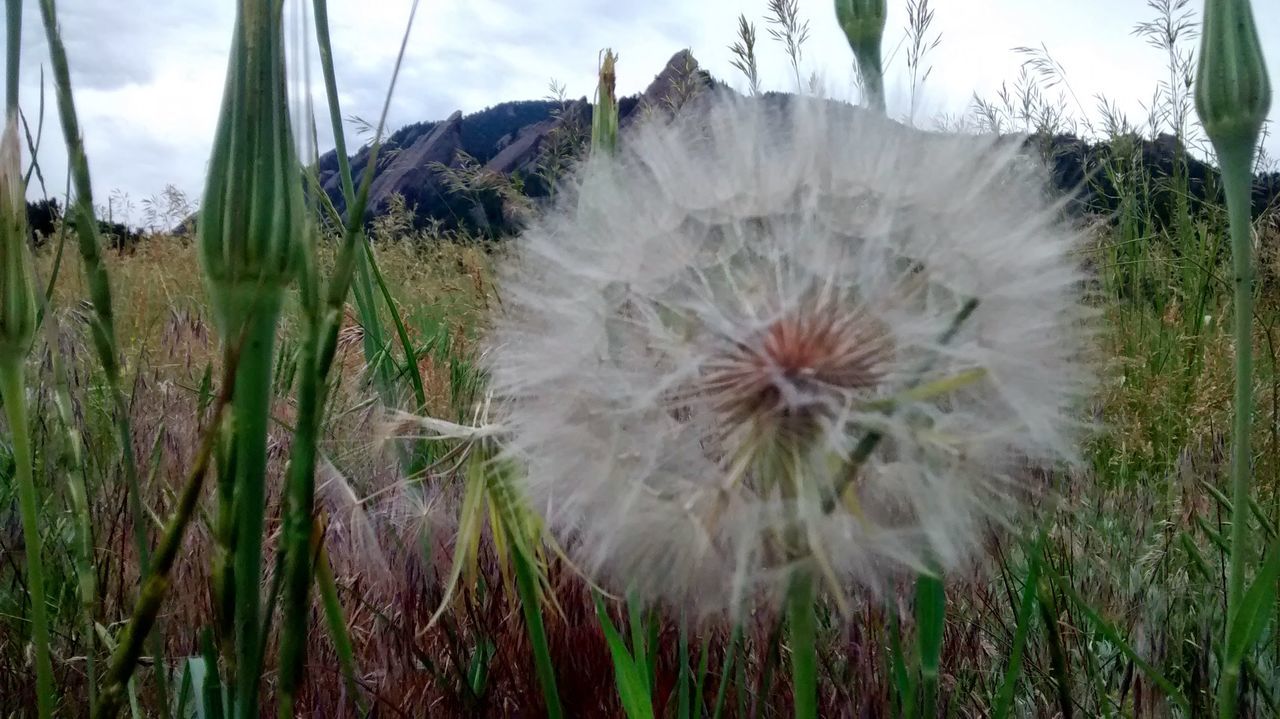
{"x": 872, "y": 78}
{"x": 802, "y": 619}
{"x": 252, "y": 413}
{"x": 298, "y": 522}
{"x": 13, "y": 36}
{"x": 1236, "y": 164}
{"x": 15, "y": 405}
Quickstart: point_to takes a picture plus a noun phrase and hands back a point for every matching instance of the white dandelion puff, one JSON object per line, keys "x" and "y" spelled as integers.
{"x": 777, "y": 334}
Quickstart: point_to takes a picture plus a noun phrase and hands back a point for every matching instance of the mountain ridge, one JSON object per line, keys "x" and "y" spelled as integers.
{"x": 513, "y": 141}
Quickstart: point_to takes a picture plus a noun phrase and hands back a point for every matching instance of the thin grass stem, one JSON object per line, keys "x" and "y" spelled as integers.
{"x": 13, "y": 392}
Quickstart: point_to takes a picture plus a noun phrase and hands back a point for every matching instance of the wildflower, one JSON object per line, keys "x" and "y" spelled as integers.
{"x": 788, "y": 335}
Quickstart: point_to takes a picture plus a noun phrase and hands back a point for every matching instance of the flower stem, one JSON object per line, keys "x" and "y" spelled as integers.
{"x": 872, "y": 78}
{"x": 297, "y": 535}
{"x": 1237, "y": 181}
{"x": 252, "y": 410}
{"x": 15, "y": 404}
{"x": 804, "y": 653}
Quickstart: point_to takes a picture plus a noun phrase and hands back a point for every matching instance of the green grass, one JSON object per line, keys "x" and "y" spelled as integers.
{"x": 433, "y": 585}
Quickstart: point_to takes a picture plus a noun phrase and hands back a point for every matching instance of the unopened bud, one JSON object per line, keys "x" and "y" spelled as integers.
{"x": 1232, "y": 94}
{"x": 604, "y": 118}
{"x": 17, "y": 283}
{"x": 863, "y": 24}
{"x": 252, "y": 216}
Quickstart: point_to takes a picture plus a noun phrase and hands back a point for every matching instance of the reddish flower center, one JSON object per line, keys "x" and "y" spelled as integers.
{"x": 804, "y": 363}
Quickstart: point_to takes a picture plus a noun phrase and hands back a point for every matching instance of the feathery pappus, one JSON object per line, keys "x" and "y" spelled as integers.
{"x": 772, "y": 335}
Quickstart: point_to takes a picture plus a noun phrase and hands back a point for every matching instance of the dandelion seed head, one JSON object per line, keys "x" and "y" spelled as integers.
{"x": 699, "y": 340}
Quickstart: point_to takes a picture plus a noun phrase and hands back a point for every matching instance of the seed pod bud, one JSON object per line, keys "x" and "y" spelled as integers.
{"x": 1232, "y": 92}
{"x": 17, "y": 283}
{"x": 604, "y": 119}
{"x": 863, "y": 24}
{"x": 251, "y": 219}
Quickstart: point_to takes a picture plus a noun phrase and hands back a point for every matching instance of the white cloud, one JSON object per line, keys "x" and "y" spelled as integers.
{"x": 148, "y": 76}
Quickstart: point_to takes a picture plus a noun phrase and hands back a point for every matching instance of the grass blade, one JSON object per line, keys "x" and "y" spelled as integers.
{"x": 1252, "y": 616}
{"x": 682, "y": 681}
{"x": 931, "y": 610}
{"x": 1026, "y": 615}
{"x": 1109, "y": 632}
{"x": 337, "y": 625}
{"x": 527, "y": 586}
{"x": 802, "y": 621}
{"x": 366, "y": 303}
{"x": 633, "y": 686}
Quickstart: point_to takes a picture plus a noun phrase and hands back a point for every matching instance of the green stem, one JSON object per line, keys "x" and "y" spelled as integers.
{"x": 15, "y": 404}
{"x": 1236, "y": 163}
{"x": 362, "y": 288}
{"x": 12, "y": 392}
{"x": 804, "y": 653}
{"x": 298, "y": 524}
{"x": 529, "y": 603}
{"x": 252, "y": 413}
{"x": 13, "y": 35}
{"x": 16, "y": 407}
{"x": 872, "y": 77}
{"x": 931, "y": 605}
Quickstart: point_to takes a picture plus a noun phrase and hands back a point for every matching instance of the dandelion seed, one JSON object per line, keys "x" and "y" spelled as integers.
{"x": 788, "y": 334}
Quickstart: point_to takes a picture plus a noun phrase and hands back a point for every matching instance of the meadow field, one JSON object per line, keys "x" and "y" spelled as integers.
{"x": 260, "y": 466}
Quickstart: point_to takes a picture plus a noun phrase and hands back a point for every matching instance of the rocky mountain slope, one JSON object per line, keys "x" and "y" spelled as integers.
{"x": 527, "y": 144}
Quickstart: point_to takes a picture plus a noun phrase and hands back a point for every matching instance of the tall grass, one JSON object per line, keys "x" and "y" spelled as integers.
{"x": 435, "y": 589}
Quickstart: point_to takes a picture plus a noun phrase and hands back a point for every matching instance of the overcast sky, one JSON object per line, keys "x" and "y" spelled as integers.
{"x": 148, "y": 75}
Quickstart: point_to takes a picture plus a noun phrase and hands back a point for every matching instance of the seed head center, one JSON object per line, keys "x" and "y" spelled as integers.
{"x": 802, "y": 363}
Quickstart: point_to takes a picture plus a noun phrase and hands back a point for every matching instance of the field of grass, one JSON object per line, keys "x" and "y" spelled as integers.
{"x": 399, "y": 572}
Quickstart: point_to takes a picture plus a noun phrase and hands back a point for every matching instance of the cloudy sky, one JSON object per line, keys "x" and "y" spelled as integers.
{"x": 148, "y": 75}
